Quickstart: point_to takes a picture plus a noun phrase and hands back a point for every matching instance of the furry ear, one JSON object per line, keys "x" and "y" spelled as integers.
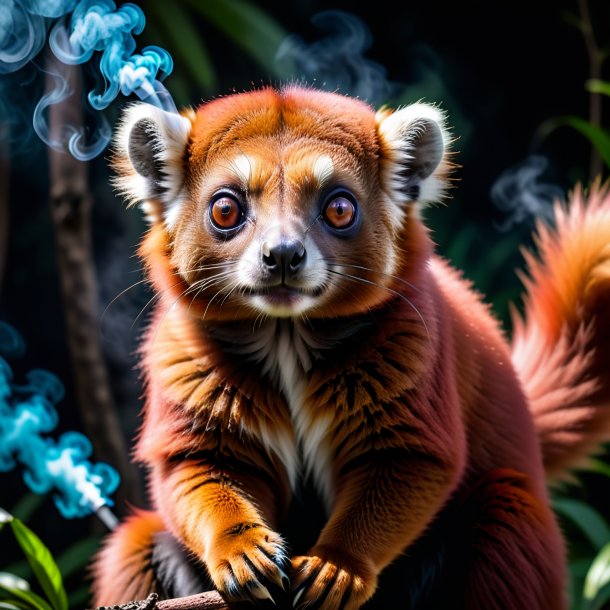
{"x": 150, "y": 149}
{"x": 414, "y": 141}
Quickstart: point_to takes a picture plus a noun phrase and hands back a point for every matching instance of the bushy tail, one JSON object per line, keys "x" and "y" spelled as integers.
{"x": 123, "y": 569}
{"x": 141, "y": 557}
{"x": 561, "y": 346}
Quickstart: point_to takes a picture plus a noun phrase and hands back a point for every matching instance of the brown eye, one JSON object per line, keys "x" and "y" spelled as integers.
{"x": 226, "y": 212}
{"x": 339, "y": 212}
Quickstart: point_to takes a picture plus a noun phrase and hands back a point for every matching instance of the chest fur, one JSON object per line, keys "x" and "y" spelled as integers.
{"x": 286, "y": 351}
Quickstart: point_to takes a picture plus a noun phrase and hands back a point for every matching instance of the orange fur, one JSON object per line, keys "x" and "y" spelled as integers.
{"x": 121, "y": 581}
{"x": 561, "y": 349}
{"x": 367, "y": 366}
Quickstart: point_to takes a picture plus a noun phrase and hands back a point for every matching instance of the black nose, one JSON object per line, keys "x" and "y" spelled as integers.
{"x": 287, "y": 256}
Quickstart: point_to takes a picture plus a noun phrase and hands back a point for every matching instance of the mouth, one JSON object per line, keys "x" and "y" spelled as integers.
{"x": 285, "y": 292}
{"x": 283, "y": 298}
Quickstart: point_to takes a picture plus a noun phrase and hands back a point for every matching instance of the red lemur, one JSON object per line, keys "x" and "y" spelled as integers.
{"x": 305, "y": 331}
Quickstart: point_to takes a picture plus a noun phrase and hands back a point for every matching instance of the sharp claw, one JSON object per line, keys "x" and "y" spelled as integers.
{"x": 281, "y": 579}
{"x": 261, "y": 592}
{"x": 297, "y": 597}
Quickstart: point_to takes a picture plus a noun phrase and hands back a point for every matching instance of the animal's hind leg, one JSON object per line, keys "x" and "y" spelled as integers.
{"x": 495, "y": 547}
{"x": 515, "y": 557}
{"x": 140, "y": 558}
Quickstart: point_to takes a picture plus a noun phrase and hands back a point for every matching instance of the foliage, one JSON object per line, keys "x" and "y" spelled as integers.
{"x": 486, "y": 255}
{"x": 39, "y": 567}
{"x": 597, "y": 136}
{"x": 15, "y": 592}
{"x": 241, "y": 22}
{"x": 588, "y": 533}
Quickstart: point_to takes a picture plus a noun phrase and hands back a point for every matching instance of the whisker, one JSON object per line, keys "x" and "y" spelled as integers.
{"x": 262, "y": 316}
{"x": 208, "y": 267}
{"x": 118, "y": 296}
{"x": 383, "y": 273}
{"x": 231, "y": 291}
{"x": 149, "y": 281}
{"x": 150, "y": 301}
{"x": 352, "y": 295}
{"x": 318, "y": 217}
{"x": 198, "y": 289}
{"x": 375, "y": 271}
{"x": 219, "y": 292}
{"x": 355, "y": 278}
{"x": 203, "y": 283}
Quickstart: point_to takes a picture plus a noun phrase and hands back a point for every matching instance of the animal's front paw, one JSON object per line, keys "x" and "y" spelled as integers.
{"x": 249, "y": 562}
{"x": 325, "y": 581}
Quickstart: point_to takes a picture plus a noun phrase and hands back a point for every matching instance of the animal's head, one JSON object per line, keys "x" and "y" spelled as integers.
{"x": 283, "y": 202}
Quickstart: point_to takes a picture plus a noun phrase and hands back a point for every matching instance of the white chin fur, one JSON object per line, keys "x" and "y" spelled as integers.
{"x": 299, "y": 306}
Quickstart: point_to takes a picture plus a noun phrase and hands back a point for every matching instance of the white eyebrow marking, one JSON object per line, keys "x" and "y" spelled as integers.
{"x": 243, "y": 166}
{"x": 323, "y": 170}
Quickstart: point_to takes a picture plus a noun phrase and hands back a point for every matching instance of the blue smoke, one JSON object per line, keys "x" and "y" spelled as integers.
{"x": 337, "y": 61}
{"x": 22, "y": 35}
{"x": 97, "y": 26}
{"x": 27, "y": 412}
{"x": 523, "y": 195}
{"x": 80, "y": 31}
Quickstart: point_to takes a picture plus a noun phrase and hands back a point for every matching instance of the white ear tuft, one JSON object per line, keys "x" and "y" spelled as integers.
{"x": 414, "y": 142}
{"x": 150, "y": 149}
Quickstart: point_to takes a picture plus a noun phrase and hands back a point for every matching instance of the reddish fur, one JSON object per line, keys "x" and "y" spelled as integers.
{"x": 123, "y": 581}
{"x": 562, "y": 348}
{"x": 417, "y": 416}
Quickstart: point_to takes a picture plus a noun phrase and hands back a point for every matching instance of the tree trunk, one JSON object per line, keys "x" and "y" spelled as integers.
{"x": 71, "y": 204}
{"x": 4, "y": 197}
{"x": 595, "y": 73}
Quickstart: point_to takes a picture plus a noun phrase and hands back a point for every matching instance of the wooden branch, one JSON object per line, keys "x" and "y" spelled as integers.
{"x": 210, "y": 600}
{"x": 595, "y": 73}
{"x": 71, "y": 203}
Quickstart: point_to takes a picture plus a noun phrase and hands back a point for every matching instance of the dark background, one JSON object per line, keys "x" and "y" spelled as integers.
{"x": 500, "y": 69}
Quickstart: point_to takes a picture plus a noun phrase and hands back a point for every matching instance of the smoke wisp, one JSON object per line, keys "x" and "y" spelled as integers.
{"x": 337, "y": 61}
{"x": 27, "y": 414}
{"x": 80, "y": 31}
{"x": 522, "y": 195}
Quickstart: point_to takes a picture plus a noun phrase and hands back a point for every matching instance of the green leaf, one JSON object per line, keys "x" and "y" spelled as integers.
{"x": 461, "y": 244}
{"x": 598, "y": 466}
{"x": 6, "y": 604}
{"x": 495, "y": 260}
{"x": 27, "y": 505}
{"x": 20, "y": 568}
{"x": 597, "y": 582}
{"x": 80, "y": 598}
{"x": 597, "y": 136}
{"x": 248, "y": 26}
{"x": 186, "y": 43}
{"x": 598, "y": 86}
{"x": 14, "y": 582}
{"x": 24, "y": 599}
{"x": 588, "y": 520}
{"x": 40, "y": 559}
{"x": 577, "y": 571}
{"x": 77, "y": 556}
